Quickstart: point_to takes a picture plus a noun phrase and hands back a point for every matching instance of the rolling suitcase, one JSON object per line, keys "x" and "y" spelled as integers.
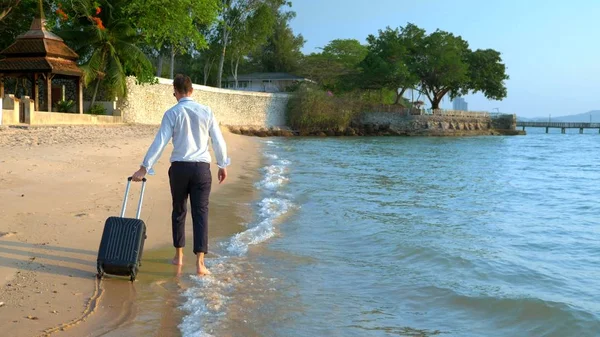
{"x": 122, "y": 241}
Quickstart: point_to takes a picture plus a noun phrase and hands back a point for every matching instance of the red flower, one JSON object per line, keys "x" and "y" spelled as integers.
{"x": 98, "y": 10}
{"x": 62, "y": 14}
{"x": 98, "y": 22}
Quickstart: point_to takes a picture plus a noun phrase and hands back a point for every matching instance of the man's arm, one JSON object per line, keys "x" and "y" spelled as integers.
{"x": 164, "y": 134}
{"x": 220, "y": 148}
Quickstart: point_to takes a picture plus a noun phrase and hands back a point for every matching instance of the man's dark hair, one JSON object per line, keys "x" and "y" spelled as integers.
{"x": 182, "y": 84}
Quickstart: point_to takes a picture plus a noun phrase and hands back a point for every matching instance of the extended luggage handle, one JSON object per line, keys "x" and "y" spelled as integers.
{"x": 139, "y": 210}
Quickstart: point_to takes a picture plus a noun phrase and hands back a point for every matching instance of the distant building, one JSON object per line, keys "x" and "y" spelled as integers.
{"x": 460, "y": 104}
{"x": 263, "y": 82}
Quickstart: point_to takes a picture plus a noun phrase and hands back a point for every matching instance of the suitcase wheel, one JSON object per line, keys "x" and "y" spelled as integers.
{"x": 100, "y": 272}
{"x": 132, "y": 274}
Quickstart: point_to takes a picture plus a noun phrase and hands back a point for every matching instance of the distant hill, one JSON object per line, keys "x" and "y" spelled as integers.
{"x": 579, "y": 118}
{"x": 525, "y": 119}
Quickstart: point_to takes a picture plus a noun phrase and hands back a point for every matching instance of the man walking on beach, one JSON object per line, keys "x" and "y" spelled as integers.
{"x": 190, "y": 124}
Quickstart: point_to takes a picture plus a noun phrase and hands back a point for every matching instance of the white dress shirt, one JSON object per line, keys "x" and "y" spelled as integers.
{"x": 190, "y": 124}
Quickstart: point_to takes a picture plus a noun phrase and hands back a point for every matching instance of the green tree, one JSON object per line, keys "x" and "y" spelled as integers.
{"x": 191, "y": 65}
{"x": 18, "y": 22}
{"x": 106, "y": 42}
{"x": 251, "y": 35}
{"x": 282, "y": 52}
{"x": 387, "y": 65}
{"x": 18, "y": 18}
{"x": 347, "y": 52}
{"x": 233, "y": 17}
{"x": 446, "y": 66}
{"x": 6, "y": 6}
{"x": 321, "y": 69}
{"x": 441, "y": 66}
{"x": 180, "y": 21}
{"x": 208, "y": 58}
{"x": 337, "y": 62}
{"x": 487, "y": 73}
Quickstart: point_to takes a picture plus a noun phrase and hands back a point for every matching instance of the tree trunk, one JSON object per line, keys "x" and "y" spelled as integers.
{"x": 437, "y": 98}
{"x": 399, "y": 95}
{"x": 418, "y": 96}
{"x": 159, "y": 68}
{"x": 207, "y": 69}
{"x": 426, "y": 91}
{"x": 222, "y": 59}
{"x": 232, "y": 68}
{"x": 95, "y": 92}
{"x": 206, "y": 74}
{"x": 172, "y": 61}
{"x": 235, "y": 71}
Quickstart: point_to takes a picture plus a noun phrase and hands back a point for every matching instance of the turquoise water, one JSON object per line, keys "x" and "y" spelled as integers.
{"x": 480, "y": 236}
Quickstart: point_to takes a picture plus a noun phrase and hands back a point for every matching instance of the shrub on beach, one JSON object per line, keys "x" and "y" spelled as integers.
{"x": 97, "y": 109}
{"x": 64, "y": 106}
{"x": 312, "y": 109}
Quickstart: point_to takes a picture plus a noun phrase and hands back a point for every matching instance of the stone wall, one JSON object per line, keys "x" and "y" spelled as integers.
{"x": 504, "y": 122}
{"x": 14, "y": 107}
{"x": 60, "y": 118}
{"x": 9, "y": 117}
{"x": 10, "y": 110}
{"x": 146, "y": 104}
{"x": 435, "y": 125}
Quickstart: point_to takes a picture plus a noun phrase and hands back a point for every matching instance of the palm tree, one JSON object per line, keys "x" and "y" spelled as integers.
{"x": 106, "y": 42}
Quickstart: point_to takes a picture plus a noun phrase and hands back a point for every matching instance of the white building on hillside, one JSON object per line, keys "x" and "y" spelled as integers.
{"x": 263, "y": 82}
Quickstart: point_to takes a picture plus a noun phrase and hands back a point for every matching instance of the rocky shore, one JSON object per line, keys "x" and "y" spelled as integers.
{"x": 356, "y": 130}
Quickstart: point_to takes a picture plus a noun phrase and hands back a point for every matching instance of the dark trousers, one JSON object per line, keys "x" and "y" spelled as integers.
{"x": 193, "y": 179}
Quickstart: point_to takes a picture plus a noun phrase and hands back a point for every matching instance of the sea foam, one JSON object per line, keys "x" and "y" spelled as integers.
{"x": 206, "y": 300}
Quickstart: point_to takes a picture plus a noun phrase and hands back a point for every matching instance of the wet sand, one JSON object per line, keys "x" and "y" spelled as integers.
{"x": 57, "y": 186}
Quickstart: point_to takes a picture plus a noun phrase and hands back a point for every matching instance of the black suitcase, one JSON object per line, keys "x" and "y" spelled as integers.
{"x": 122, "y": 242}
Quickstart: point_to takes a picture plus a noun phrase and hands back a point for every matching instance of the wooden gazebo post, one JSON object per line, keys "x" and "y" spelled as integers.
{"x": 49, "y": 91}
{"x": 1, "y": 87}
{"x": 36, "y": 92}
{"x": 80, "y": 95}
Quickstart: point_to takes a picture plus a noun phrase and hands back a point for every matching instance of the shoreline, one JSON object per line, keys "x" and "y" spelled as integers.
{"x": 161, "y": 283}
{"x": 351, "y": 132}
{"x": 57, "y": 196}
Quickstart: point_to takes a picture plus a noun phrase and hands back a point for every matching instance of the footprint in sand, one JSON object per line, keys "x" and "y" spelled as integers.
{"x": 7, "y": 234}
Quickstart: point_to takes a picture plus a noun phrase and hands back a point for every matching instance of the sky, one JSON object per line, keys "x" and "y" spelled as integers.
{"x": 551, "y": 48}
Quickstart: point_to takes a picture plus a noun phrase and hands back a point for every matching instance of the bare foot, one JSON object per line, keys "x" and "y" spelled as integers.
{"x": 178, "y": 259}
{"x": 201, "y": 270}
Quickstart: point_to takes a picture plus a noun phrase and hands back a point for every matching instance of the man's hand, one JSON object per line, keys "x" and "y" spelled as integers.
{"x": 222, "y": 174}
{"x": 139, "y": 174}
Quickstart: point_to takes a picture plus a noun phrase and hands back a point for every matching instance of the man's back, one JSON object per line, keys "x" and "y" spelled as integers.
{"x": 190, "y": 125}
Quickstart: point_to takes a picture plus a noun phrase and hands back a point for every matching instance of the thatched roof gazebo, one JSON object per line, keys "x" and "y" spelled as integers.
{"x": 37, "y": 55}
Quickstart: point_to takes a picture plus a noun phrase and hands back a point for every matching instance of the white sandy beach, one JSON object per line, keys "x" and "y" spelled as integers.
{"x": 57, "y": 187}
